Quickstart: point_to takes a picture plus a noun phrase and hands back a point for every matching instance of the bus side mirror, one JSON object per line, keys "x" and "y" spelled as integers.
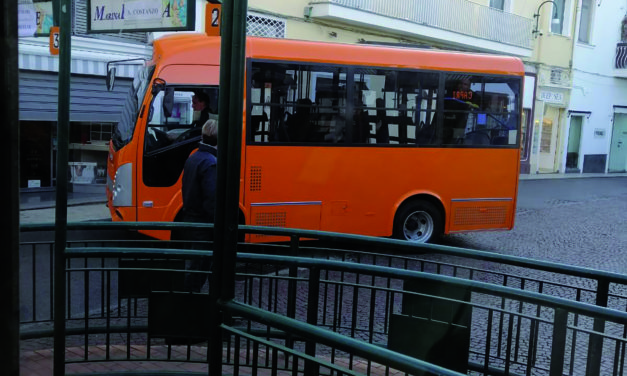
{"x": 168, "y": 102}
{"x": 110, "y": 78}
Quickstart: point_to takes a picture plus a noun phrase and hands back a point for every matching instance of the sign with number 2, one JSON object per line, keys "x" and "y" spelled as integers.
{"x": 213, "y": 12}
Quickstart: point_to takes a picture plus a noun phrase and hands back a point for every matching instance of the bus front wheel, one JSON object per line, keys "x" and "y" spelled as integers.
{"x": 418, "y": 221}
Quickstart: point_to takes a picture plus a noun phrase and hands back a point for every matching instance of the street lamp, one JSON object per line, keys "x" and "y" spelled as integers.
{"x": 554, "y": 21}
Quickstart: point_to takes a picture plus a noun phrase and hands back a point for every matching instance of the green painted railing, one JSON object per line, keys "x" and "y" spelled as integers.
{"x": 515, "y": 333}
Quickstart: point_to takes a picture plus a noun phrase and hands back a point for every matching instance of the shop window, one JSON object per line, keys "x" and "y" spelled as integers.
{"x": 90, "y": 133}
{"x": 524, "y": 135}
{"x": 547, "y": 133}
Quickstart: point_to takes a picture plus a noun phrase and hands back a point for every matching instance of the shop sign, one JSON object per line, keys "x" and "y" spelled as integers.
{"x": 107, "y": 16}
{"x": 551, "y": 96}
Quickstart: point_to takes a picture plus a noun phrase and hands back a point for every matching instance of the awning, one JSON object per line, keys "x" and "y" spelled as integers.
{"x": 34, "y": 54}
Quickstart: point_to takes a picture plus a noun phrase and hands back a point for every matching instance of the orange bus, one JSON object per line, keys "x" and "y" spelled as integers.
{"x": 359, "y": 139}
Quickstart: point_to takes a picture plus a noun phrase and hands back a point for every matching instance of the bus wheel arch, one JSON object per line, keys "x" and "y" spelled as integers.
{"x": 419, "y": 219}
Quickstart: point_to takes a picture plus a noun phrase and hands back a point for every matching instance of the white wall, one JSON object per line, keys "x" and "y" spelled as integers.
{"x": 595, "y": 87}
{"x": 599, "y": 95}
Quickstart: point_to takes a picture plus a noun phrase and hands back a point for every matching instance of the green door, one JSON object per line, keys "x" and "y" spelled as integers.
{"x": 618, "y": 150}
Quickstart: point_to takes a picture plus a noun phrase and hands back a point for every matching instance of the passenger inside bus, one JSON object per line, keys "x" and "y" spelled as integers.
{"x": 382, "y": 129}
{"x": 459, "y": 104}
{"x": 299, "y": 125}
{"x": 203, "y": 105}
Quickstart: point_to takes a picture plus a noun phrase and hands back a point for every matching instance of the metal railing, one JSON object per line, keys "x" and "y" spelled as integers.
{"x": 516, "y": 303}
{"x": 621, "y": 56}
{"x": 460, "y": 16}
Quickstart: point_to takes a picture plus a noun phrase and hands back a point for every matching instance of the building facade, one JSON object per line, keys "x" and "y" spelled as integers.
{"x": 596, "y": 133}
{"x": 551, "y": 107}
{"x": 94, "y": 111}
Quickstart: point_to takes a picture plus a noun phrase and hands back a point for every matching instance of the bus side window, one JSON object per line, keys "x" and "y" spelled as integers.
{"x": 304, "y": 103}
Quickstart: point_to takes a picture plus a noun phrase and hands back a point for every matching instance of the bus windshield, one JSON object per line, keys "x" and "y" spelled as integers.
{"x": 123, "y": 132}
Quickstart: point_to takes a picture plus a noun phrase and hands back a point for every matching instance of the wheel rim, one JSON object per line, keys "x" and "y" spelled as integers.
{"x": 418, "y": 227}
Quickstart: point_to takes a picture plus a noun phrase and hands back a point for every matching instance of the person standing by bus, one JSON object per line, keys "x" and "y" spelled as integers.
{"x": 199, "y": 199}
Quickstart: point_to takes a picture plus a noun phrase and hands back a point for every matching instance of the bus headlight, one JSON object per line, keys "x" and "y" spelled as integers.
{"x": 123, "y": 186}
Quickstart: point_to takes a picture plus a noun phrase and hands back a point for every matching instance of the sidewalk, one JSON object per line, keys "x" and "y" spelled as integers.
{"x": 39, "y": 207}
{"x": 570, "y": 176}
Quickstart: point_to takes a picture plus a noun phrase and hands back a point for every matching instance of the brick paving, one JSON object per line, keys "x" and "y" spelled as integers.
{"x": 40, "y": 362}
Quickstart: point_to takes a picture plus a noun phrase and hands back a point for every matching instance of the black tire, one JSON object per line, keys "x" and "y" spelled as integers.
{"x": 418, "y": 221}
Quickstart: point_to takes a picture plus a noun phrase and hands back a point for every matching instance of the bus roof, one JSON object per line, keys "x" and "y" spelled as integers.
{"x": 200, "y": 49}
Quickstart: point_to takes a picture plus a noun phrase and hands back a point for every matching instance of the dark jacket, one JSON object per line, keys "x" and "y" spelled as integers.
{"x": 199, "y": 185}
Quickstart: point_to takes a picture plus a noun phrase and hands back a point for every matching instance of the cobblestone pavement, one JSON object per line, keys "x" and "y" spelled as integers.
{"x": 585, "y": 226}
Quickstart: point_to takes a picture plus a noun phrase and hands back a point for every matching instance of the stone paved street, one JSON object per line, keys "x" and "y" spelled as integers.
{"x": 577, "y": 222}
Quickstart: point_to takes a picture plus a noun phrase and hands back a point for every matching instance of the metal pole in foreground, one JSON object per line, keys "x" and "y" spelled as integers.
{"x": 60, "y": 238}
{"x": 10, "y": 222}
{"x": 232, "y": 64}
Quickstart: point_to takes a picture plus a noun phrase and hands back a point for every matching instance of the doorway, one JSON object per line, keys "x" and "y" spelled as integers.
{"x": 618, "y": 149}
{"x": 574, "y": 143}
{"x": 548, "y": 140}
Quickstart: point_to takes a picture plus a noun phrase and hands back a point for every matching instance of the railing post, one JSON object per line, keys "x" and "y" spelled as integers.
{"x": 311, "y": 368}
{"x": 9, "y": 268}
{"x": 231, "y": 108}
{"x": 63, "y": 124}
{"x": 291, "y": 286}
{"x": 595, "y": 344}
{"x": 558, "y": 346}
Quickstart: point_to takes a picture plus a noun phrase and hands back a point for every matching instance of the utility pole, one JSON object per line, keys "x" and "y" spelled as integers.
{"x": 64, "y": 12}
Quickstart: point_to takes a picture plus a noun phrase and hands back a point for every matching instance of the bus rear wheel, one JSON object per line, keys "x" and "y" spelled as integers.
{"x": 418, "y": 221}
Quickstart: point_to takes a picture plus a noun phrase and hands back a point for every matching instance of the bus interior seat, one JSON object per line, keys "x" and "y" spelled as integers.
{"x": 477, "y": 138}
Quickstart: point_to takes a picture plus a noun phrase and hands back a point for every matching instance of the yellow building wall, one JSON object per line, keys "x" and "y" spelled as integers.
{"x": 292, "y": 8}
{"x": 297, "y": 27}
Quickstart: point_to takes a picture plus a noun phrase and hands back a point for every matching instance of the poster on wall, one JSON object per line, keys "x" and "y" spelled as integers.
{"x": 43, "y": 14}
{"x": 34, "y": 18}
{"x": 114, "y": 16}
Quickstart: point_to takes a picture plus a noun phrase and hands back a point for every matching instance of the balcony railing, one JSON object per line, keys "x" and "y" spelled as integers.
{"x": 621, "y": 56}
{"x": 460, "y": 16}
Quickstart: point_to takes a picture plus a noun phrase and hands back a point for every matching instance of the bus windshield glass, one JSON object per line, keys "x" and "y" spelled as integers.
{"x": 123, "y": 132}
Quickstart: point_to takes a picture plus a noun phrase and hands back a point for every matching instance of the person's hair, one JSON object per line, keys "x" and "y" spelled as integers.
{"x": 210, "y": 132}
{"x": 202, "y": 97}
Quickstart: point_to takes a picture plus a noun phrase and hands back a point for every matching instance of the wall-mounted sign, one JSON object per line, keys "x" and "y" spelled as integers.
{"x": 26, "y": 25}
{"x": 599, "y": 132}
{"x": 34, "y": 19}
{"x": 112, "y": 16}
{"x": 551, "y": 96}
{"x": 54, "y": 40}
{"x": 43, "y": 14}
{"x": 213, "y": 16}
